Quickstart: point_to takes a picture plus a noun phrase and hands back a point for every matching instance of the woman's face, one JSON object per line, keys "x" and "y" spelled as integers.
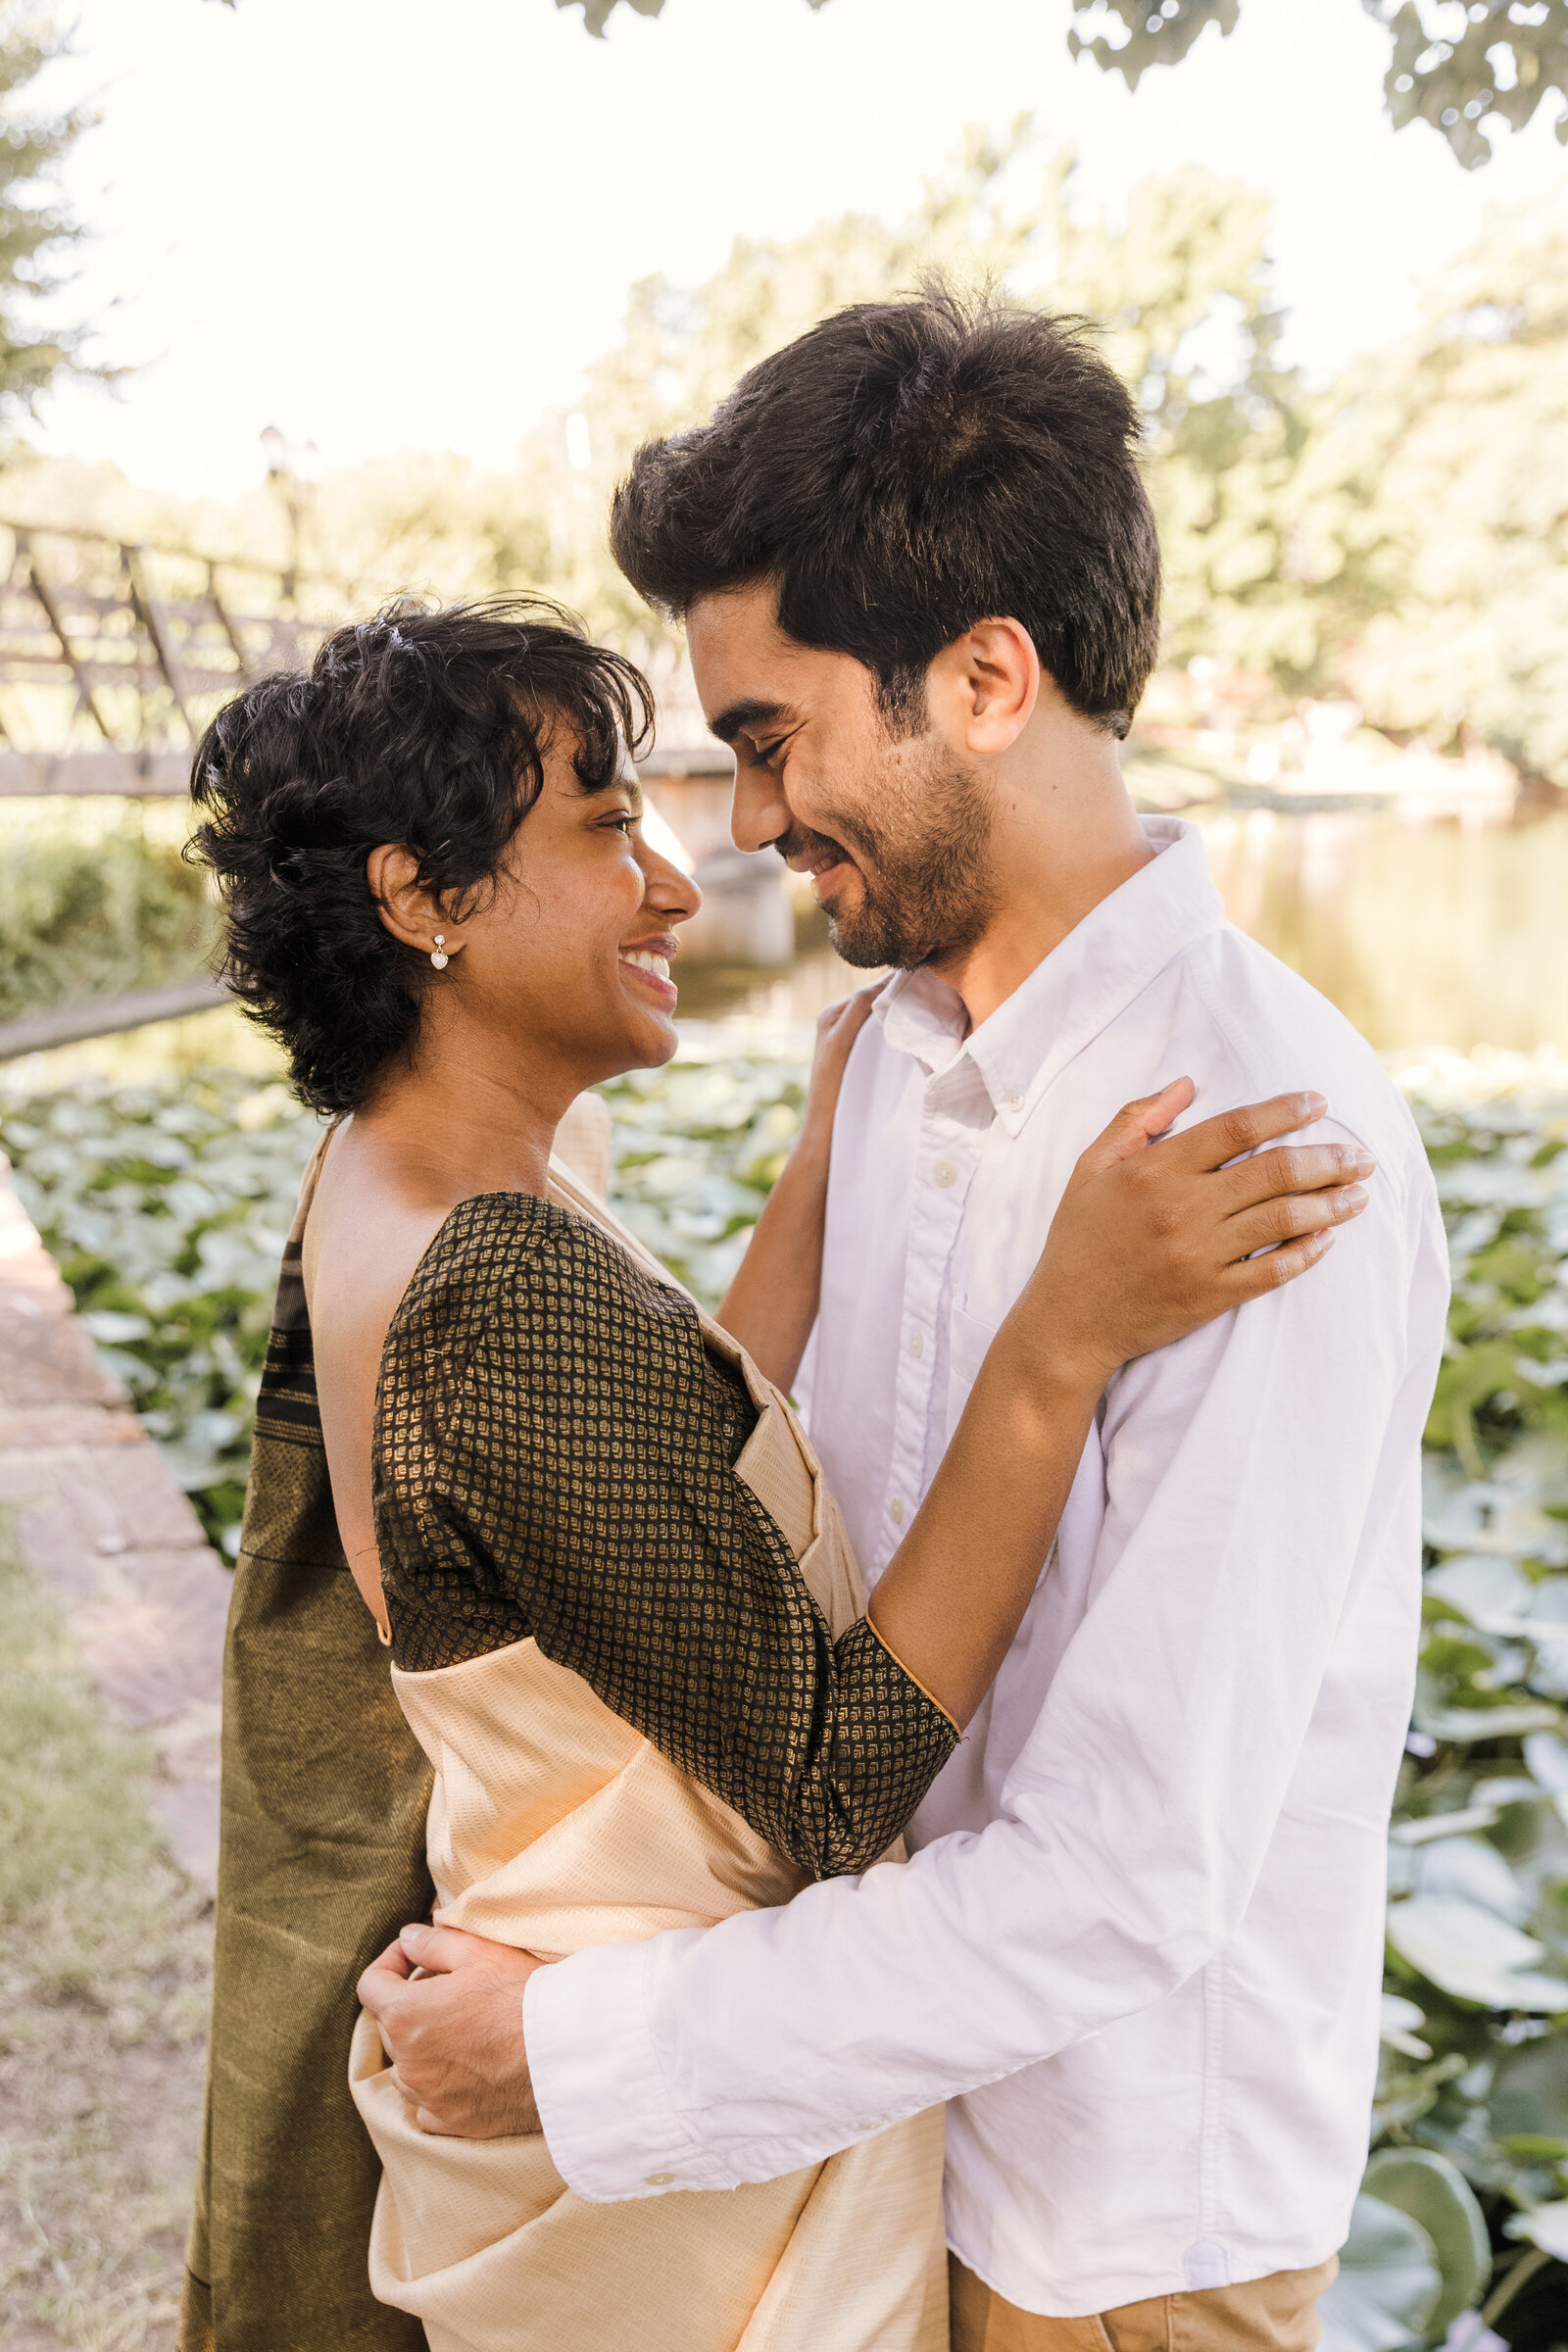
{"x": 571, "y": 955}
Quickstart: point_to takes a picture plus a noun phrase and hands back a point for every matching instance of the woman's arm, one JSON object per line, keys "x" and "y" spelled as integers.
{"x": 1151, "y": 1241}
{"x": 576, "y": 1484}
{"x": 771, "y": 1303}
{"x": 555, "y": 1460}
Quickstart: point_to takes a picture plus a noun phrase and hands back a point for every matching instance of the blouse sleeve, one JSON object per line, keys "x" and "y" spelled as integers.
{"x": 554, "y": 1457}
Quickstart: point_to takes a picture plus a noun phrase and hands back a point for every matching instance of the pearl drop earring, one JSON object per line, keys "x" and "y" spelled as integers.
{"x": 438, "y": 954}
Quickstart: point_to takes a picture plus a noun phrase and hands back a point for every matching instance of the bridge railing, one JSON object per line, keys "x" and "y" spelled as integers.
{"x": 115, "y": 653}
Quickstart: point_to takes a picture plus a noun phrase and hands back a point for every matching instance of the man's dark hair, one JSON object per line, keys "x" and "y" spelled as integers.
{"x": 425, "y": 726}
{"x": 903, "y": 470}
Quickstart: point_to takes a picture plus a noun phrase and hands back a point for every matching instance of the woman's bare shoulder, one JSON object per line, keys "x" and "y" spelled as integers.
{"x": 364, "y": 1240}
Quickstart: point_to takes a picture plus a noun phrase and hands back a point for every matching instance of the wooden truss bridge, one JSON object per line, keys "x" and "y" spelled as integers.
{"x": 114, "y": 655}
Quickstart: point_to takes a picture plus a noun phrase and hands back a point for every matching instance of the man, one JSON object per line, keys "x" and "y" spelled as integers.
{"x": 1138, "y": 1945}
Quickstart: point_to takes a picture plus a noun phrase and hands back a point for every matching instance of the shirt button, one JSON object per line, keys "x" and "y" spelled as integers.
{"x": 896, "y": 1509}
{"x": 658, "y": 2180}
{"x": 1015, "y": 1102}
{"x": 945, "y": 1172}
{"x": 917, "y": 1344}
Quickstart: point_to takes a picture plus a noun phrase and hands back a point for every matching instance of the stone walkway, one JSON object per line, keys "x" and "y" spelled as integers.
{"x": 105, "y": 1527}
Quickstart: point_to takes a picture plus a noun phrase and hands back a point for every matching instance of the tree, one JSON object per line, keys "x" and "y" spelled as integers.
{"x": 1426, "y": 530}
{"x": 1451, "y": 63}
{"x": 33, "y": 231}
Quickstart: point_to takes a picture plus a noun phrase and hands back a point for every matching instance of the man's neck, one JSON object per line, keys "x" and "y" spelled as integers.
{"x": 1059, "y": 848}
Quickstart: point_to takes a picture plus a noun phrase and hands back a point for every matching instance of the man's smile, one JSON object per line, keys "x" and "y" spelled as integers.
{"x": 826, "y": 868}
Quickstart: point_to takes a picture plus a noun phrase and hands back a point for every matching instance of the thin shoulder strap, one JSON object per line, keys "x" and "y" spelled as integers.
{"x": 307, "y": 1184}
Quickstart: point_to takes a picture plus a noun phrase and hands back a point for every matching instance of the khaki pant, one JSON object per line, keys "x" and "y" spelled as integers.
{"x": 1267, "y": 2314}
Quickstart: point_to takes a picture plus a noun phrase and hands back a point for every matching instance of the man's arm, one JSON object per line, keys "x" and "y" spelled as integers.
{"x": 1241, "y": 1469}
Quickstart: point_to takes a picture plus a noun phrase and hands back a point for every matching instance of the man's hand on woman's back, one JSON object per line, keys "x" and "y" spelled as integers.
{"x": 454, "y": 2031}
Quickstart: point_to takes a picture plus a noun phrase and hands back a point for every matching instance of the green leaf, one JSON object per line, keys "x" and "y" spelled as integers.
{"x": 1474, "y": 1955}
{"x": 1436, "y": 2193}
{"x": 1546, "y": 2227}
{"x": 1389, "y": 2283}
{"x": 1529, "y": 2096}
{"x": 1510, "y": 1720}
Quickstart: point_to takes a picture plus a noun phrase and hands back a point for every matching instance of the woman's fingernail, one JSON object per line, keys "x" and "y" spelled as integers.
{"x": 413, "y": 1938}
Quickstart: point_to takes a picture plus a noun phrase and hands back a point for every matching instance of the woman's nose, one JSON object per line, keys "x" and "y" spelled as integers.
{"x": 666, "y": 889}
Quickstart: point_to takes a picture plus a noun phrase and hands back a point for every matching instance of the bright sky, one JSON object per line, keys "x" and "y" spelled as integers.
{"x": 383, "y": 224}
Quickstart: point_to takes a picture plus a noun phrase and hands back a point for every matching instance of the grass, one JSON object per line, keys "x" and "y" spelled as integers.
{"x": 104, "y": 1965}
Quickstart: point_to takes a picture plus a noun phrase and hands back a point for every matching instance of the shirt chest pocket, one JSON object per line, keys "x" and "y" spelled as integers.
{"x": 969, "y": 1339}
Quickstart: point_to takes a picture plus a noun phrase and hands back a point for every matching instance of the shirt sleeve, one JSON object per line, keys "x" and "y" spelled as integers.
{"x": 555, "y": 1458}
{"x": 1250, "y": 1474}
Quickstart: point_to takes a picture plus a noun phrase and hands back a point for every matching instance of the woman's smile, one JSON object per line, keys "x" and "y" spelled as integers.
{"x": 647, "y": 960}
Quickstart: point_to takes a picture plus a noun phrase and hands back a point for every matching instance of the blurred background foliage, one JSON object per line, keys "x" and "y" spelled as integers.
{"x": 96, "y": 898}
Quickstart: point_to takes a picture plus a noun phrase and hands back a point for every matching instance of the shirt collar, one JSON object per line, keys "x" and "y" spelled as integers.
{"x": 1073, "y": 993}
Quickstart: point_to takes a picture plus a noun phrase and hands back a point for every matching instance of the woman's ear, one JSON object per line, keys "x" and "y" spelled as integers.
{"x": 410, "y": 911}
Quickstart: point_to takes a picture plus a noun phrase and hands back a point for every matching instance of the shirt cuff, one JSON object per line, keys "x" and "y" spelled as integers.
{"x": 610, "y": 2125}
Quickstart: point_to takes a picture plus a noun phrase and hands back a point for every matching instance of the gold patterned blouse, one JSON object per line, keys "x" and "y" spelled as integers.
{"x": 555, "y": 1456}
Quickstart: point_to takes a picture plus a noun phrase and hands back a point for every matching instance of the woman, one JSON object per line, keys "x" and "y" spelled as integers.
{"x": 624, "y": 1623}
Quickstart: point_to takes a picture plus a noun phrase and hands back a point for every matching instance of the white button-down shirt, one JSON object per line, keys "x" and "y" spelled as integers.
{"x": 1138, "y": 1946}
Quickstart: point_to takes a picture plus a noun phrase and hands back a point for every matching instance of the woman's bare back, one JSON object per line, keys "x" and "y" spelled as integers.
{"x": 371, "y": 1220}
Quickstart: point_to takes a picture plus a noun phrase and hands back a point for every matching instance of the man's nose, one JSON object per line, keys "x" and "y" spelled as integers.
{"x": 758, "y": 813}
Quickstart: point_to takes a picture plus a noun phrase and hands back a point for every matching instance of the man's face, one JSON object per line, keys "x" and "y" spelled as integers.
{"x": 893, "y": 827}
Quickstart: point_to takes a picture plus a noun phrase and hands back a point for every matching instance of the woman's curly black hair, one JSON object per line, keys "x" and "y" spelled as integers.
{"x": 426, "y": 726}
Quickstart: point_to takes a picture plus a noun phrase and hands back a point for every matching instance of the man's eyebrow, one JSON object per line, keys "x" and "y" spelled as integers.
{"x": 739, "y": 716}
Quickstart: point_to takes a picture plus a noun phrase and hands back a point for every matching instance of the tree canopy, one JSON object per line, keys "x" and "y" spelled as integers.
{"x": 1400, "y": 537}
{"x": 33, "y": 230}
{"x": 1450, "y": 64}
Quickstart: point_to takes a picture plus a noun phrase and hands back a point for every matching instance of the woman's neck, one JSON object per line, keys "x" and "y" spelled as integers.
{"x": 454, "y": 1126}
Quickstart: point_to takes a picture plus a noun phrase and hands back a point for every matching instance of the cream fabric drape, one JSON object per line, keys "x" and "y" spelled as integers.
{"x": 553, "y": 1825}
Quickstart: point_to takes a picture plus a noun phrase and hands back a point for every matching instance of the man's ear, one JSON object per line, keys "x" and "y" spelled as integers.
{"x": 411, "y": 913}
{"x": 988, "y": 679}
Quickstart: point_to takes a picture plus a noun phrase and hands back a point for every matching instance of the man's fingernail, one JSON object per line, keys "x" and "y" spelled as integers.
{"x": 1312, "y": 1106}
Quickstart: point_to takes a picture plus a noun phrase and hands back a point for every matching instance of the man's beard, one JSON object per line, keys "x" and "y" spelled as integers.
{"x": 927, "y": 891}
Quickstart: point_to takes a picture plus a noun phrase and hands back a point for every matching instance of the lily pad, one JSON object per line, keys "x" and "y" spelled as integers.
{"x": 1547, "y": 1755}
{"x": 1482, "y": 1585}
{"x": 1389, "y": 2284}
{"x": 1474, "y": 1954}
{"x": 1471, "y": 1869}
{"x": 1459, "y": 1726}
{"x": 1436, "y": 2193}
{"x": 1546, "y": 2227}
{"x": 1529, "y": 2096}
